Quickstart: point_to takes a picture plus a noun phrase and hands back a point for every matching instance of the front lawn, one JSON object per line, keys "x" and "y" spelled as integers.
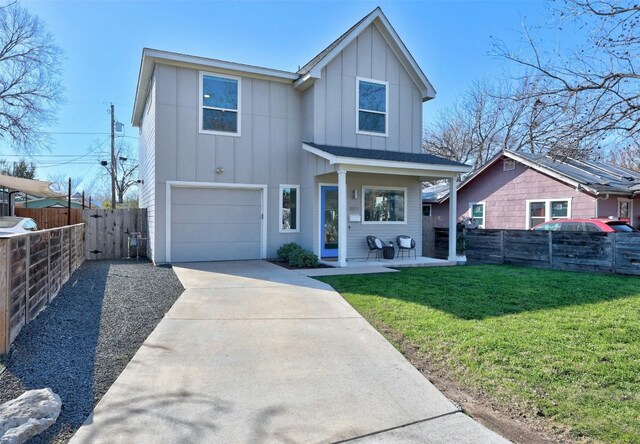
{"x": 560, "y": 345}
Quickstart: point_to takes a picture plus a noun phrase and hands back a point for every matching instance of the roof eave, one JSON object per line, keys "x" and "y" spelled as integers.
{"x": 356, "y": 161}
{"x": 380, "y": 21}
{"x": 152, "y": 56}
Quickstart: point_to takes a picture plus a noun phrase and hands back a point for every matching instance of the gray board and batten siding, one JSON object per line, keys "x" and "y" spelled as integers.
{"x": 278, "y": 111}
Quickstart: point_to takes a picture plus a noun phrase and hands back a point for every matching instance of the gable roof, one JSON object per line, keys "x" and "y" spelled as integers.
{"x": 590, "y": 176}
{"x": 301, "y": 79}
{"x": 313, "y": 69}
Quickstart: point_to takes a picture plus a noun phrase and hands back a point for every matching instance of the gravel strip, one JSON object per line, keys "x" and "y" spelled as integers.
{"x": 84, "y": 339}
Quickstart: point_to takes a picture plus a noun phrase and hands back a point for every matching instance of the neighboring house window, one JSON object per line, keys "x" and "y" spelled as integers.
{"x": 539, "y": 211}
{"x": 219, "y": 104}
{"x": 372, "y": 107}
{"x": 476, "y": 210}
{"x": 384, "y": 205}
{"x": 625, "y": 209}
{"x": 289, "y": 208}
{"x": 426, "y": 210}
{"x": 508, "y": 165}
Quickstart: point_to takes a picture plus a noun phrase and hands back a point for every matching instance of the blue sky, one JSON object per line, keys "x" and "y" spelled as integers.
{"x": 103, "y": 40}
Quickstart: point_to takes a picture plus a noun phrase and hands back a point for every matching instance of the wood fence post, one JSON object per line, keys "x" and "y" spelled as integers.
{"x": 5, "y": 321}
{"x": 550, "y": 249}
{"x": 27, "y": 265}
{"x": 614, "y": 238}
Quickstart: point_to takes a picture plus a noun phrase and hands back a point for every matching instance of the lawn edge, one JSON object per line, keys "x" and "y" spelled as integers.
{"x": 512, "y": 424}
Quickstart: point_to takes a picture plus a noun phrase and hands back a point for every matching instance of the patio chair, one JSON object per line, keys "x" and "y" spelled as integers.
{"x": 406, "y": 243}
{"x": 376, "y": 245}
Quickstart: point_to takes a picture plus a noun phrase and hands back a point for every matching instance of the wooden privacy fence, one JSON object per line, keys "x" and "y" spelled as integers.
{"x": 51, "y": 217}
{"x": 107, "y": 232}
{"x": 561, "y": 250}
{"x": 33, "y": 268}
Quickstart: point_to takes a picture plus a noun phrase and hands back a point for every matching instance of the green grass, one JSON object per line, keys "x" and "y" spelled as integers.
{"x": 561, "y": 345}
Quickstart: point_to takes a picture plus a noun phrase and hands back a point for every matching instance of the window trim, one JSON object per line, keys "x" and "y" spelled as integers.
{"x": 630, "y": 201}
{"x": 280, "y": 212}
{"x": 430, "y": 206}
{"x": 383, "y": 222}
{"x": 547, "y": 209}
{"x": 484, "y": 212}
{"x": 386, "y": 107}
{"x": 201, "y": 105}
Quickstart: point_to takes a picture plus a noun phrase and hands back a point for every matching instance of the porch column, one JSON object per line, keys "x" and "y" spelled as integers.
{"x": 342, "y": 218}
{"x": 453, "y": 210}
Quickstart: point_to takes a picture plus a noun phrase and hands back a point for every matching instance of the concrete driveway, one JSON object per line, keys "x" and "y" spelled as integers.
{"x": 252, "y": 352}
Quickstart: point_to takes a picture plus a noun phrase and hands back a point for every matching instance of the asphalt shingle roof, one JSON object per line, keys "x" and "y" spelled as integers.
{"x": 600, "y": 176}
{"x": 394, "y": 156}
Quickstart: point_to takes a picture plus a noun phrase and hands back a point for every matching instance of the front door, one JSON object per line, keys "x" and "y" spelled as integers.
{"x": 329, "y": 221}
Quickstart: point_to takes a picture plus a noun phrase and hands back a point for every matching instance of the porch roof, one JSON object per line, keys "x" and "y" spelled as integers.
{"x": 350, "y": 157}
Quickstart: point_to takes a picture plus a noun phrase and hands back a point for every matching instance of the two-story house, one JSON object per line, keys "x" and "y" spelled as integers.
{"x": 236, "y": 160}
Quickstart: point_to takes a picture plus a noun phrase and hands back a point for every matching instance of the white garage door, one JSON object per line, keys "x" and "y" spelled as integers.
{"x": 215, "y": 224}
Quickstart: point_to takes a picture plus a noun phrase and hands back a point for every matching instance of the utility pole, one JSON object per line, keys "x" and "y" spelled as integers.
{"x": 113, "y": 160}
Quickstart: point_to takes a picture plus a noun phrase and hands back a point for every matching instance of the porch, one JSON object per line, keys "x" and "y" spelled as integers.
{"x": 365, "y": 192}
{"x": 373, "y": 265}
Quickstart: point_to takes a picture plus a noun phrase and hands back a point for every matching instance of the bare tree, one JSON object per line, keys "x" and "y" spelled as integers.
{"x": 30, "y": 80}
{"x": 21, "y": 168}
{"x": 592, "y": 93}
{"x": 125, "y": 170}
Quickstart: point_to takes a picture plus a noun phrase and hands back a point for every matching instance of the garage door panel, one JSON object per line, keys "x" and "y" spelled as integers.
{"x": 209, "y": 224}
{"x": 204, "y": 196}
{"x": 214, "y": 214}
{"x": 218, "y": 251}
{"x": 216, "y": 232}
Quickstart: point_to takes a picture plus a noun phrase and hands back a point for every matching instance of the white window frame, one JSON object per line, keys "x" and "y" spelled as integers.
{"x": 547, "y": 208}
{"x": 430, "y": 206}
{"x": 386, "y": 107}
{"x": 202, "y": 106}
{"x": 383, "y": 222}
{"x": 484, "y": 212}
{"x": 280, "y": 212}
{"x": 624, "y": 199}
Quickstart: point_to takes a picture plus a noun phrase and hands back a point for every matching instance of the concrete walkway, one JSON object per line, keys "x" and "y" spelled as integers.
{"x": 252, "y": 352}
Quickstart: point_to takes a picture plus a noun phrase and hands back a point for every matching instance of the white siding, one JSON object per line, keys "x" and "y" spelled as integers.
{"x": 146, "y": 157}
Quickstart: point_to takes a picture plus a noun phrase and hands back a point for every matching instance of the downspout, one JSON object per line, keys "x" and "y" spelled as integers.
{"x": 11, "y": 209}
{"x": 606, "y": 197}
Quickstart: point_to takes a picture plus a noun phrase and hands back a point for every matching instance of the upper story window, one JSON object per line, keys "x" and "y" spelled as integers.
{"x": 219, "y": 104}
{"x": 373, "y": 98}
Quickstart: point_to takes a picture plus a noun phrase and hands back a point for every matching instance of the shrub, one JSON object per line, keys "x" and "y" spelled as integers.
{"x": 286, "y": 251}
{"x": 303, "y": 258}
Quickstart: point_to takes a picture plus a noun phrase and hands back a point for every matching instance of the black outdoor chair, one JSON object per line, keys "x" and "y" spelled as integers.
{"x": 376, "y": 245}
{"x": 406, "y": 243}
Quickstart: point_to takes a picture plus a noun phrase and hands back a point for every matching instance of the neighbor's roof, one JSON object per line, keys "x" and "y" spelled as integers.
{"x": 348, "y": 155}
{"x": 301, "y": 79}
{"x": 436, "y": 192}
{"x": 30, "y": 186}
{"x": 591, "y": 176}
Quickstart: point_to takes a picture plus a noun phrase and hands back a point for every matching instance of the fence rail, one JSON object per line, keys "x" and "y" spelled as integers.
{"x": 33, "y": 268}
{"x": 561, "y": 250}
{"x": 51, "y": 217}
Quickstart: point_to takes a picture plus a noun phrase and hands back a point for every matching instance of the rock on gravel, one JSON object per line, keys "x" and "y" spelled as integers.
{"x": 83, "y": 340}
{"x": 27, "y": 415}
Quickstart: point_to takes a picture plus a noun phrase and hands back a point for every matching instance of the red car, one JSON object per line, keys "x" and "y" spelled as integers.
{"x": 586, "y": 225}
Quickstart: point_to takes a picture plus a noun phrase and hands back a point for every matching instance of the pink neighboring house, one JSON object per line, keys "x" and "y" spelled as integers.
{"x": 516, "y": 190}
